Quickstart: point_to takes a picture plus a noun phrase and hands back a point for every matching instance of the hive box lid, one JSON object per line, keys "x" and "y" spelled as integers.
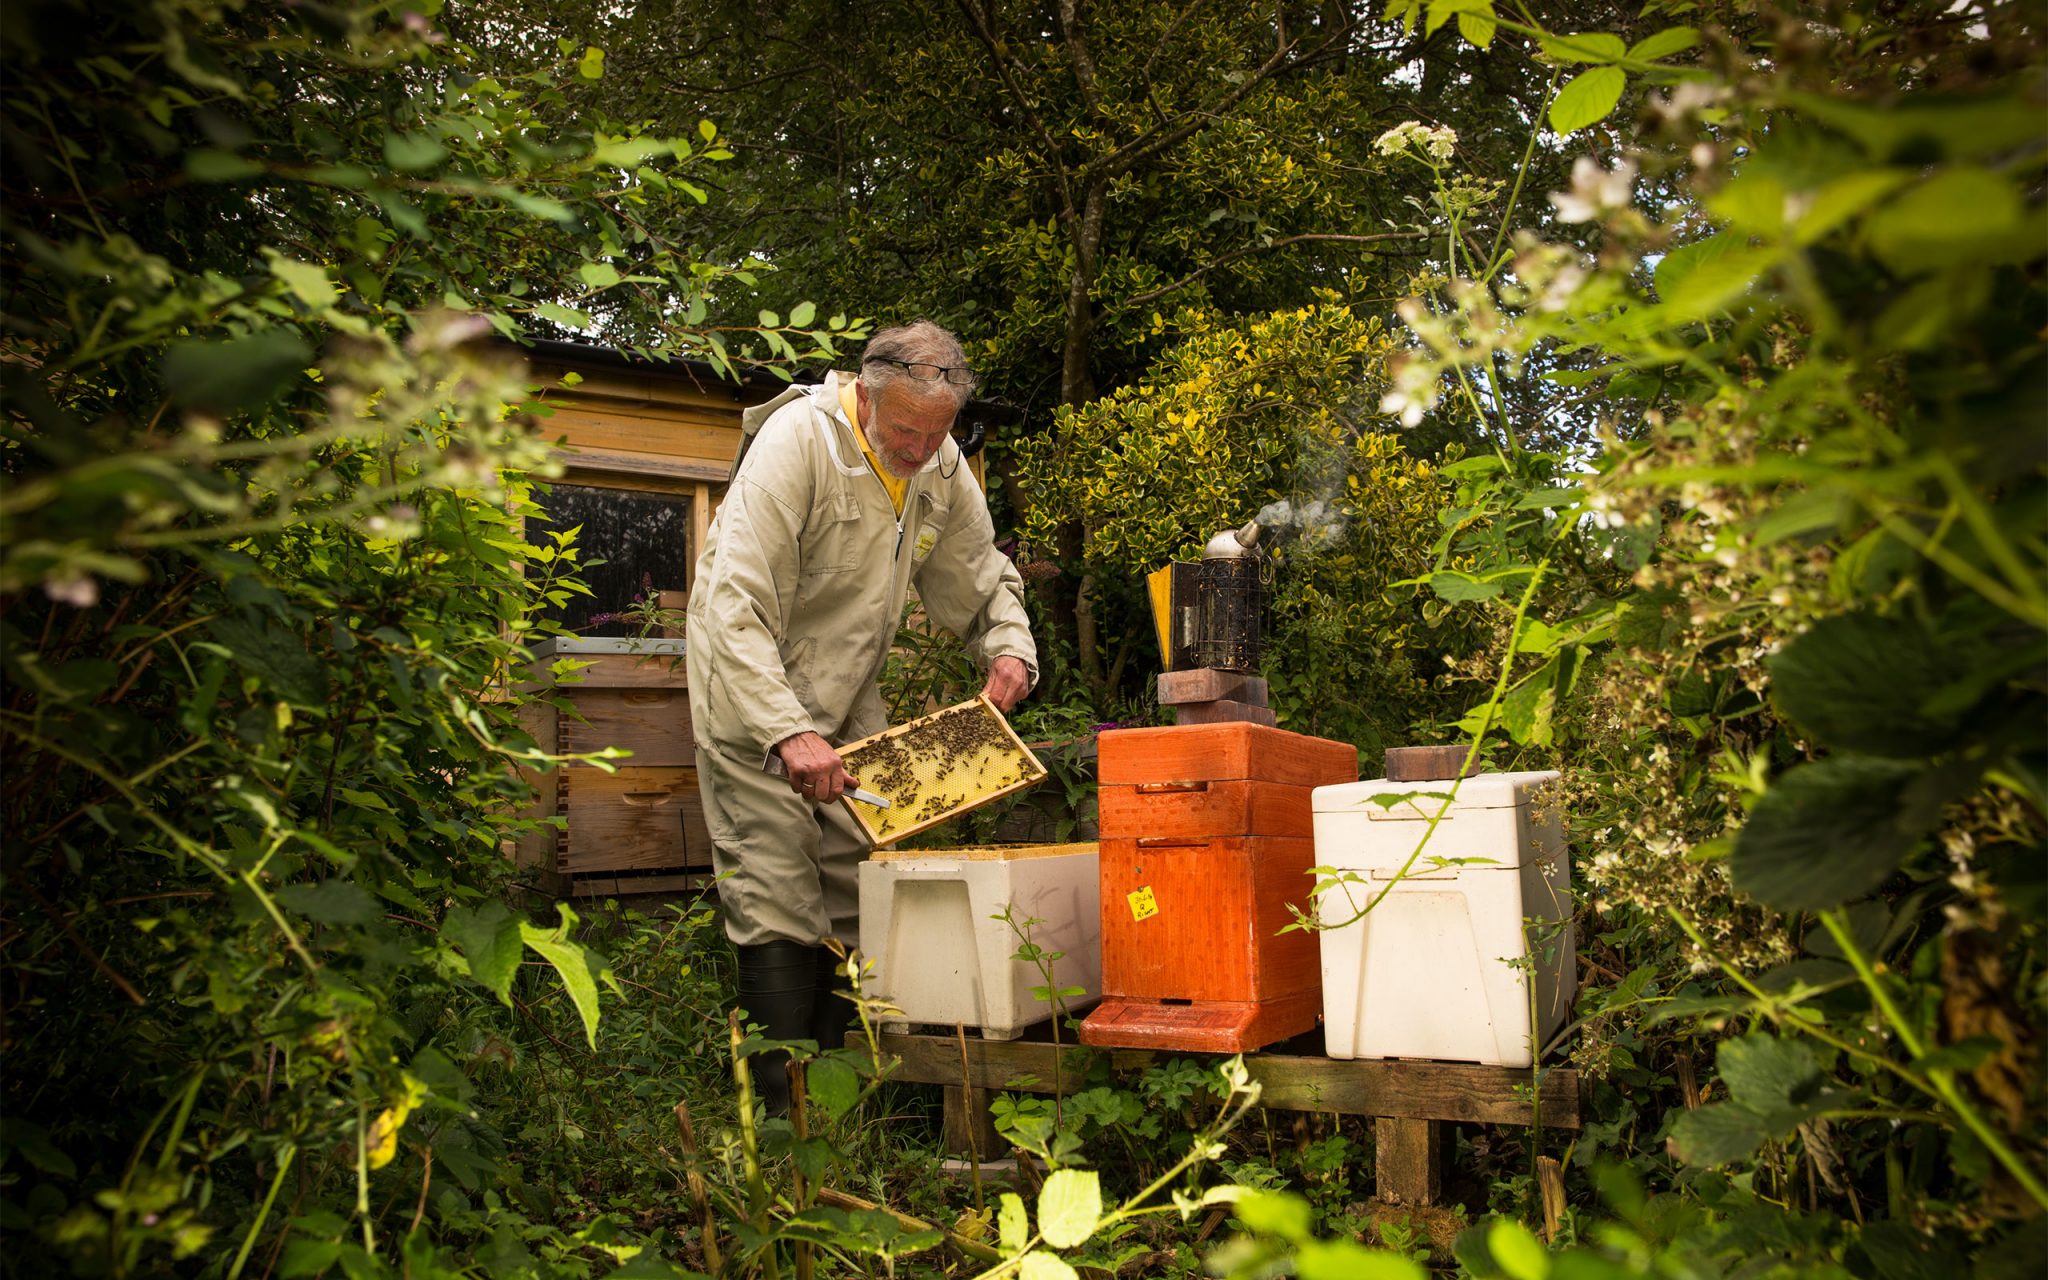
{"x": 1212, "y": 752}
{"x": 1374, "y": 797}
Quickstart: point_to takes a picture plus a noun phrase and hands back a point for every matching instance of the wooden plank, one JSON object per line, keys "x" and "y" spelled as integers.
{"x": 709, "y": 394}
{"x": 984, "y": 853}
{"x": 1223, "y": 711}
{"x": 1428, "y": 764}
{"x": 1202, "y": 807}
{"x": 642, "y": 464}
{"x": 1460, "y": 1091}
{"x": 1408, "y": 1160}
{"x": 700, "y": 531}
{"x": 625, "y": 671}
{"x": 636, "y": 819}
{"x": 661, "y": 433}
{"x": 613, "y": 886}
{"x": 1207, "y": 684}
{"x": 968, "y": 1128}
{"x": 1193, "y": 752}
{"x": 654, "y": 724}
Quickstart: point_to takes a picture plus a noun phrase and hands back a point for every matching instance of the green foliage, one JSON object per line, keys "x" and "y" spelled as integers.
{"x": 266, "y": 590}
{"x": 1267, "y": 418}
{"x": 1778, "y": 611}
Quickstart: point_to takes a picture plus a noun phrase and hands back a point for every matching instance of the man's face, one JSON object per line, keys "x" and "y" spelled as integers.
{"x": 904, "y": 430}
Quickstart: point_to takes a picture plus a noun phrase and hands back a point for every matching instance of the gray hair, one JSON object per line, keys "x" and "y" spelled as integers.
{"x": 919, "y": 342}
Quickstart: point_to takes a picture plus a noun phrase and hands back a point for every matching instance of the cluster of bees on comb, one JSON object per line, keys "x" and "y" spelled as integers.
{"x": 931, "y": 751}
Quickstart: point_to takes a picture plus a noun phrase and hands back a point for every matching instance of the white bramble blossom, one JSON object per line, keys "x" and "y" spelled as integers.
{"x": 1595, "y": 190}
{"x": 1414, "y": 387}
{"x": 1436, "y": 142}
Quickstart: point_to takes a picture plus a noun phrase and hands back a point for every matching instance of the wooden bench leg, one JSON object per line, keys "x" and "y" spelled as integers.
{"x": 1408, "y": 1159}
{"x": 970, "y": 1131}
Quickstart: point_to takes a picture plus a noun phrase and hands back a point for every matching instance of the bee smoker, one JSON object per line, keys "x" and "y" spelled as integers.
{"x": 1230, "y": 594}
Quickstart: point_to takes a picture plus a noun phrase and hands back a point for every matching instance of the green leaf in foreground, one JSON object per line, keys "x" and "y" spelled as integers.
{"x": 833, "y": 1085}
{"x": 1832, "y": 831}
{"x": 490, "y": 942}
{"x": 1858, "y": 682}
{"x": 572, "y": 963}
{"x": 1069, "y": 1207}
{"x": 237, "y": 374}
{"x": 1587, "y": 98}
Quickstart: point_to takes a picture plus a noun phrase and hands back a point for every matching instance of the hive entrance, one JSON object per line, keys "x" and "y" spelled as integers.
{"x": 938, "y": 767}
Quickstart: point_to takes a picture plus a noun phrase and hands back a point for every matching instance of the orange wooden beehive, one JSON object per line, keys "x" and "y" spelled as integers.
{"x": 1206, "y": 839}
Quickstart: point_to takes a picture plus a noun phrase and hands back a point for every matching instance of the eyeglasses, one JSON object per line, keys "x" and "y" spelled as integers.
{"x": 959, "y": 375}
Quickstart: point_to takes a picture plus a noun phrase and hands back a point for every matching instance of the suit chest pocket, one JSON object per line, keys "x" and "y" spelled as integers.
{"x": 930, "y": 527}
{"x": 833, "y": 537}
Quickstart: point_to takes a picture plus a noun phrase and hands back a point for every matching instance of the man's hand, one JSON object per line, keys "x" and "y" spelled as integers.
{"x": 1008, "y": 681}
{"x": 815, "y": 770}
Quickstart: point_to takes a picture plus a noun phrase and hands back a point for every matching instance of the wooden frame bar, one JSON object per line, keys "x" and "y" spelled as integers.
{"x": 1408, "y": 1100}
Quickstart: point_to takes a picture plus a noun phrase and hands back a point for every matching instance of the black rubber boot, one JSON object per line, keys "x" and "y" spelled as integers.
{"x": 778, "y": 990}
{"x": 832, "y": 1014}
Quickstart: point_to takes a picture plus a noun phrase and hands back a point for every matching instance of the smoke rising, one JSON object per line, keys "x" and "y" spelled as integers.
{"x": 1315, "y": 524}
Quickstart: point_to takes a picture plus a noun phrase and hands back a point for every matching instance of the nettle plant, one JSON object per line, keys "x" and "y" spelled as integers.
{"x": 1766, "y": 574}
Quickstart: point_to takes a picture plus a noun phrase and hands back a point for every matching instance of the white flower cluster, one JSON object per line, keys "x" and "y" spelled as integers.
{"x": 1437, "y": 143}
{"x": 1595, "y": 190}
{"x": 1413, "y": 387}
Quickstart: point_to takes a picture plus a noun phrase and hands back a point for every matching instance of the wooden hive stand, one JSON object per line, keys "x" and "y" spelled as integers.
{"x": 1408, "y": 1101}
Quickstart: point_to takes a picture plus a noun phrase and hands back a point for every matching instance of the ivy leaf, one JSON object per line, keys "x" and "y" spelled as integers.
{"x": 490, "y": 942}
{"x": 1587, "y": 98}
{"x": 1069, "y": 1207}
{"x": 1834, "y": 830}
{"x": 833, "y": 1084}
{"x": 572, "y": 962}
{"x": 1863, "y": 681}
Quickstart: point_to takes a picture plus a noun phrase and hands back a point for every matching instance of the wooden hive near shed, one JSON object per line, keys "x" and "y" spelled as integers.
{"x": 639, "y": 829}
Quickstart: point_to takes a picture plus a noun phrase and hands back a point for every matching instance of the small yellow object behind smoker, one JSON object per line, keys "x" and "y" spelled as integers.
{"x": 938, "y": 767}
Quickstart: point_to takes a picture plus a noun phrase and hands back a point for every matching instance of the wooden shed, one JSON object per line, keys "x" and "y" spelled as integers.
{"x": 646, "y": 447}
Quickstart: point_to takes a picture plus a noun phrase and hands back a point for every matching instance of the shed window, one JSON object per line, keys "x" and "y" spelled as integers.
{"x": 643, "y": 537}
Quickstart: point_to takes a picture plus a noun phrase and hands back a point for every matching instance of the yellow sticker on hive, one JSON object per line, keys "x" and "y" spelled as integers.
{"x": 1143, "y": 905}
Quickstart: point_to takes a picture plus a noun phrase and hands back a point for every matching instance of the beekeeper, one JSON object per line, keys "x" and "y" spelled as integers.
{"x": 843, "y": 496}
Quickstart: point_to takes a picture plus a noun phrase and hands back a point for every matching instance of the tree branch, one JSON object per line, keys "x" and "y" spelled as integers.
{"x": 984, "y": 30}
{"x": 1235, "y": 254}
